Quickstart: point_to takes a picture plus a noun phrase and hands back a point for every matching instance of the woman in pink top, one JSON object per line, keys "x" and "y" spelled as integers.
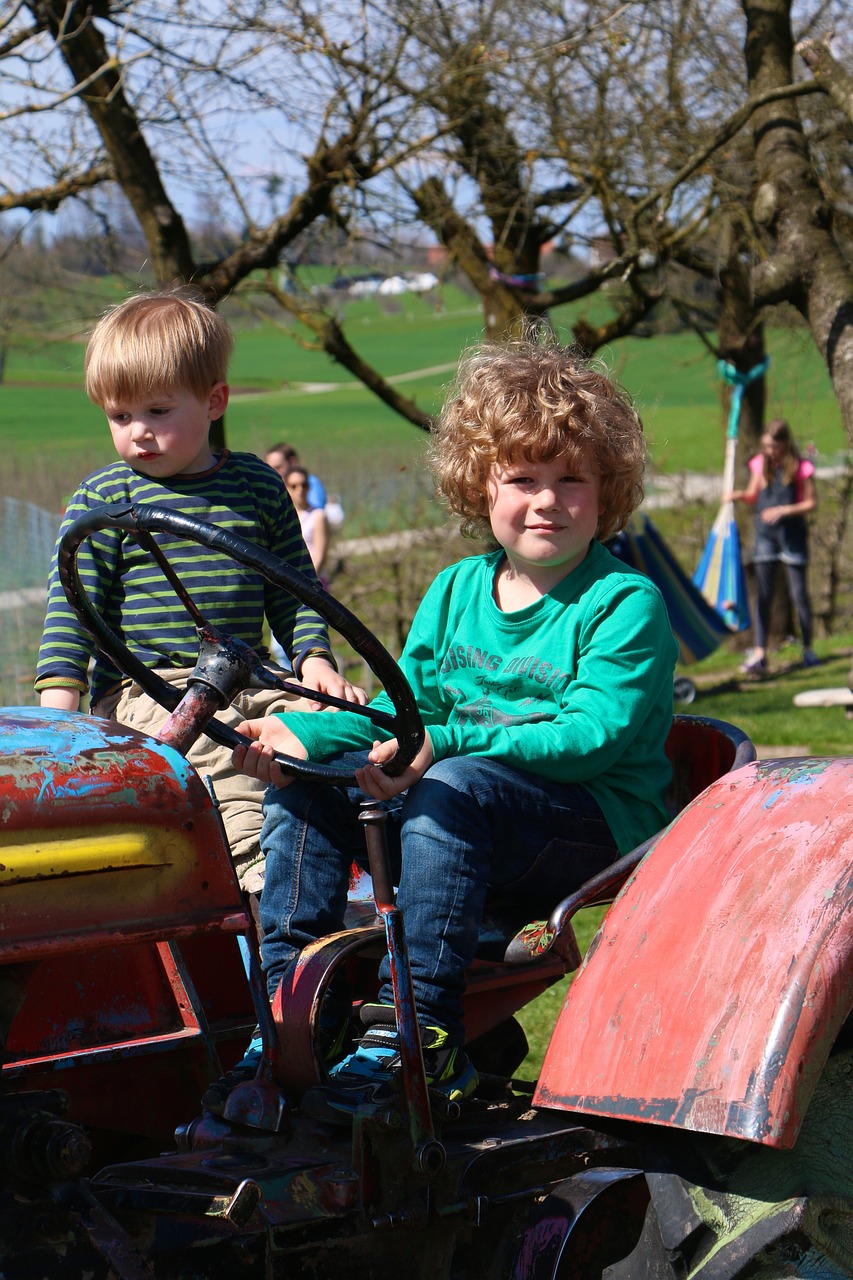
{"x": 315, "y": 529}
{"x": 782, "y": 490}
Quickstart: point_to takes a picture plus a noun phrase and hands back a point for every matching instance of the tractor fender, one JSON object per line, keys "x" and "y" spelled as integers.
{"x": 723, "y": 972}
{"x": 755, "y": 1204}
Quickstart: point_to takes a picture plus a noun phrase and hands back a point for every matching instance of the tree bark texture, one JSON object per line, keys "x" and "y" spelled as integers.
{"x": 803, "y": 264}
{"x": 741, "y": 338}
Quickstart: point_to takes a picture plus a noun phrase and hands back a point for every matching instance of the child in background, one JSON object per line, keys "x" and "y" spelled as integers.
{"x": 312, "y": 519}
{"x": 543, "y": 671}
{"x": 782, "y": 490}
{"x": 157, "y": 365}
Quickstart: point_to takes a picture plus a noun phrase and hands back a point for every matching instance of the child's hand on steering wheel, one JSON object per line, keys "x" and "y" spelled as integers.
{"x": 269, "y": 735}
{"x": 318, "y": 673}
{"x": 379, "y": 785}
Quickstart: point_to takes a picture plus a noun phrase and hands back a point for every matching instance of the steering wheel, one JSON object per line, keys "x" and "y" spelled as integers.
{"x": 141, "y": 521}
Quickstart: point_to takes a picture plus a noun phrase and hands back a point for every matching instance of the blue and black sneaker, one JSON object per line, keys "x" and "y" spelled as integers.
{"x": 449, "y": 1070}
{"x": 369, "y": 1074}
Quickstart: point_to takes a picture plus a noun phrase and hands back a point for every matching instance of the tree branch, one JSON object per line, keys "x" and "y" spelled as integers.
{"x": 48, "y": 199}
{"x": 335, "y": 344}
{"x": 19, "y": 37}
{"x": 330, "y": 164}
{"x": 83, "y": 49}
{"x": 591, "y": 337}
{"x": 835, "y": 79}
{"x": 723, "y": 134}
{"x": 454, "y": 232}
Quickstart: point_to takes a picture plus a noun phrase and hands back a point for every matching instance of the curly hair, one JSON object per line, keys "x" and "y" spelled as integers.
{"x": 534, "y": 398}
{"x": 157, "y": 341}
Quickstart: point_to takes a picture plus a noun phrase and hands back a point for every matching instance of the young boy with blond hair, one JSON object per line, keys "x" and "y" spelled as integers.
{"x": 543, "y": 671}
{"x": 157, "y": 365}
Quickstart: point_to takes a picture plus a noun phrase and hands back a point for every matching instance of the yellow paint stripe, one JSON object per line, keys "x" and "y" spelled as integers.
{"x": 55, "y": 858}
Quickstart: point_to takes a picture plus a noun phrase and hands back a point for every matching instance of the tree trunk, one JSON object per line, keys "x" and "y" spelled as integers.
{"x": 741, "y": 338}
{"x": 803, "y": 265}
{"x": 502, "y": 311}
{"x": 82, "y": 47}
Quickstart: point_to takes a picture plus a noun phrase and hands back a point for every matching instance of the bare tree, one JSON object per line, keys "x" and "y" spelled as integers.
{"x": 145, "y": 83}
{"x": 632, "y": 135}
{"x": 829, "y": 72}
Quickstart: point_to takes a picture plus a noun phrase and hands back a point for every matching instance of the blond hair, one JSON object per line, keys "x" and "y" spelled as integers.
{"x": 157, "y": 342}
{"x": 533, "y": 398}
{"x": 779, "y": 432}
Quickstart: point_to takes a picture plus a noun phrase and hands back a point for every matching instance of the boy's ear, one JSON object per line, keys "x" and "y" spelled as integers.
{"x": 218, "y": 401}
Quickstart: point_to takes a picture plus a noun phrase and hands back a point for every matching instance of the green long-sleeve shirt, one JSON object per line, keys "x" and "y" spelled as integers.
{"x": 576, "y": 687}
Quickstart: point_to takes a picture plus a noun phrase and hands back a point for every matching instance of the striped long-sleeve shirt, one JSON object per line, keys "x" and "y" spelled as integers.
{"x": 241, "y": 494}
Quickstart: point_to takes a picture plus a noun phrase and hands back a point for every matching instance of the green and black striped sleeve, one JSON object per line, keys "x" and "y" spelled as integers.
{"x": 241, "y": 494}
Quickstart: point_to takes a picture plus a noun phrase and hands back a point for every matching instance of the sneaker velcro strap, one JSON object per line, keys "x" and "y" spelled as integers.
{"x": 378, "y": 1015}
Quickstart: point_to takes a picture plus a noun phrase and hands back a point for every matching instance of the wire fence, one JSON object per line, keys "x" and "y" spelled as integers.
{"x": 27, "y": 538}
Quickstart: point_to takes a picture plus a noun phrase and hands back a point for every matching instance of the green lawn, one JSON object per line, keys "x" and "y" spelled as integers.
{"x": 44, "y": 413}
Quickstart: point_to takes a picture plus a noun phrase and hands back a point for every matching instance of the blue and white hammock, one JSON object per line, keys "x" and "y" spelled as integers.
{"x": 719, "y": 575}
{"x": 713, "y": 605}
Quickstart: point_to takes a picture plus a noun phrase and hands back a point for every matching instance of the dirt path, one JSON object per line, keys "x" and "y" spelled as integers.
{"x": 319, "y": 388}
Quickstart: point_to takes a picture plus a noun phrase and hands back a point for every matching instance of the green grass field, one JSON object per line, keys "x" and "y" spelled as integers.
{"x": 283, "y": 390}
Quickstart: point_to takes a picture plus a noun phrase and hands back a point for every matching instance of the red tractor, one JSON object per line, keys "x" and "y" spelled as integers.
{"x": 693, "y": 1117}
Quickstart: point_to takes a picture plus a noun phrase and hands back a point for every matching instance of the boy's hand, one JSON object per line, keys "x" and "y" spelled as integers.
{"x": 377, "y": 784}
{"x": 320, "y": 674}
{"x": 268, "y": 735}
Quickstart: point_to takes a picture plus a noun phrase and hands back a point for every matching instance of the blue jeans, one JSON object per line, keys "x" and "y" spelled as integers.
{"x": 470, "y": 824}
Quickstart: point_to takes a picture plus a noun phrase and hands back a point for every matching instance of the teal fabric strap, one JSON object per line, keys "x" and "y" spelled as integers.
{"x": 739, "y": 381}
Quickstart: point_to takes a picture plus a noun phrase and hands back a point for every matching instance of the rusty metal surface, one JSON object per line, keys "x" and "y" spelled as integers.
{"x": 296, "y": 1004}
{"x": 317, "y": 1174}
{"x": 494, "y": 992}
{"x": 586, "y": 1223}
{"x": 105, "y": 836}
{"x": 427, "y": 1152}
{"x": 724, "y": 971}
{"x": 132, "y": 1034}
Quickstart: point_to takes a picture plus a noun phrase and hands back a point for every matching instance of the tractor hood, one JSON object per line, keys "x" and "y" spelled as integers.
{"x": 105, "y": 835}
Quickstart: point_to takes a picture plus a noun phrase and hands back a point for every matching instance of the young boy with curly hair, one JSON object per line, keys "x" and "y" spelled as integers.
{"x": 543, "y": 672}
{"x": 157, "y": 365}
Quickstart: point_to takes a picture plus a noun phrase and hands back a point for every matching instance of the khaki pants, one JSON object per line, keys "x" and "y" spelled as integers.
{"x": 238, "y": 796}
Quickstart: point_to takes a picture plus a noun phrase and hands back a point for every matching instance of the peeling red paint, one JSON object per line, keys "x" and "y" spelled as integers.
{"x": 729, "y": 963}
{"x": 67, "y": 779}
